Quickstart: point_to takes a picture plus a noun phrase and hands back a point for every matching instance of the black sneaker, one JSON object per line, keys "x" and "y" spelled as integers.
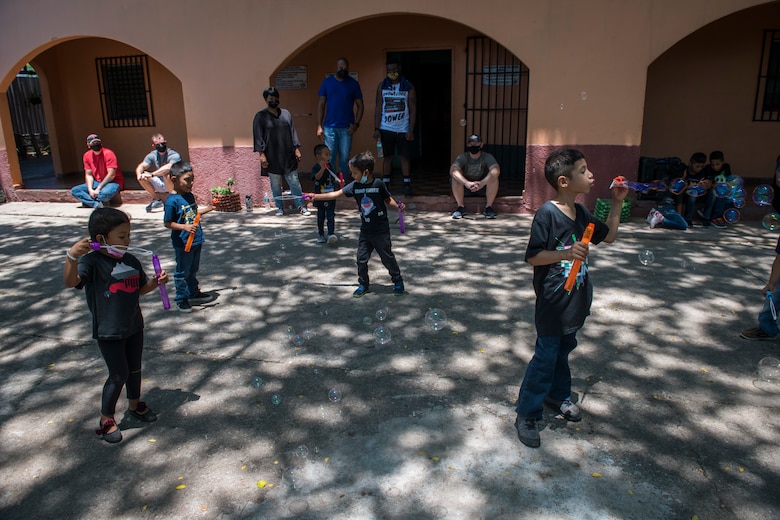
{"x": 489, "y": 213}
{"x": 718, "y": 223}
{"x": 756, "y": 334}
{"x": 689, "y": 222}
{"x": 199, "y": 298}
{"x": 458, "y": 213}
{"x": 398, "y": 288}
{"x": 566, "y": 408}
{"x": 407, "y": 189}
{"x": 184, "y": 306}
{"x": 360, "y": 291}
{"x": 527, "y": 432}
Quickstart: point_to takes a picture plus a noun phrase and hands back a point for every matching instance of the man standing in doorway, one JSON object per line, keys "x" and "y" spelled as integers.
{"x": 394, "y": 119}
{"x": 153, "y": 173}
{"x": 102, "y": 176}
{"x": 476, "y": 171}
{"x": 342, "y": 97}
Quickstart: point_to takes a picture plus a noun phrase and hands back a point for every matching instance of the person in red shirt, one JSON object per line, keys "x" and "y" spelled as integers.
{"x": 102, "y": 176}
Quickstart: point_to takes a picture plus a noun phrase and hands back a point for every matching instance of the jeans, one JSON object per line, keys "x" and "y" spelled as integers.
{"x": 185, "y": 276}
{"x": 672, "y": 219}
{"x": 547, "y": 374}
{"x": 709, "y": 201}
{"x": 295, "y": 188}
{"x": 326, "y": 210}
{"x": 765, "y": 319}
{"x": 107, "y": 193}
{"x": 339, "y": 142}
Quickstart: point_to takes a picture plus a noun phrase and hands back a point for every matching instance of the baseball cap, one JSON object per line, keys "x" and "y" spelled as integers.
{"x": 474, "y": 138}
{"x": 93, "y": 137}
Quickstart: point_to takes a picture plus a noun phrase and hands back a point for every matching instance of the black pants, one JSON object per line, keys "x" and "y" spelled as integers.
{"x": 367, "y": 243}
{"x": 123, "y": 359}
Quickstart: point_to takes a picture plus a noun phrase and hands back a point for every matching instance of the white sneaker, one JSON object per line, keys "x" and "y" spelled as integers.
{"x": 279, "y": 212}
{"x": 321, "y": 239}
{"x": 305, "y": 212}
{"x": 332, "y": 239}
{"x": 655, "y": 218}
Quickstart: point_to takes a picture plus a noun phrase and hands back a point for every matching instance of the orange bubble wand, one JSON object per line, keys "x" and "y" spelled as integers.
{"x": 575, "y": 266}
{"x": 188, "y": 245}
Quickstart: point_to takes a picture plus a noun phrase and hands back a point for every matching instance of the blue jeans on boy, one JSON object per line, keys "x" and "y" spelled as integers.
{"x": 107, "y": 192}
{"x": 765, "y": 319}
{"x": 709, "y": 201}
{"x": 548, "y": 374}
{"x": 326, "y": 211}
{"x": 185, "y": 276}
{"x": 339, "y": 142}
{"x": 295, "y": 188}
{"x": 672, "y": 219}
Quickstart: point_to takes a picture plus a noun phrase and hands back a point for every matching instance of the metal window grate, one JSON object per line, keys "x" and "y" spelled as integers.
{"x": 497, "y": 105}
{"x": 125, "y": 91}
{"x": 767, "y": 103}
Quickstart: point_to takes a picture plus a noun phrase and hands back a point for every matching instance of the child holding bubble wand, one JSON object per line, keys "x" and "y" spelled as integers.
{"x": 113, "y": 280}
{"x": 552, "y": 250}
{"x": 182, "y": 217}
{"x": 767, "y": 328}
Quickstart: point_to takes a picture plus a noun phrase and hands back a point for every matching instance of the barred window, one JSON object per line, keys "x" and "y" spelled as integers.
{"x": 767, "y": 104}
{"x": 125, "y": 91}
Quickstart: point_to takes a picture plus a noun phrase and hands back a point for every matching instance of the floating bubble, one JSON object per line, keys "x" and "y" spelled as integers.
{"x": 107, "y": 294}
{"x": 257, "y": 382}
{"x": 731, "y": 215}
{"x": 302, "y": 451}
{"x": 292, "y": 477}
{"x": 307, "y": 334}
{"x": 334, "y": 395}
{"x": 436, "y": 319}
{"x": 382, "y": 336}
{"x": 463, "y": 122}
{"x": 722, "y": 190}
{"x": 738, "y": 193}
{"x": 290, "y": 331}
{"x": 735, "y": 180}
{"x": 738, "y": 203}
{"x": 381, "y": 314}
{"x": 298, "y": 340}
{"x": 771, "y": 221}
{"x": 677, "y": 186}
{"x": 696, "y": 190}
{"x": 298, "y": 506}
{"x": 763, "y": 195}
{"x": 583, "y": 95}
{"x": 769, "y": 369}
{"x": 646, "y": 257}
{"x": 367, "y": 320}
{"x": 276, "y": 399}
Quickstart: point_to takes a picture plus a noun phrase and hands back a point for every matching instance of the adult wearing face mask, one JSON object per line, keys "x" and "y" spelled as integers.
{"x": 280, "y": 150}
{"x": 102, "y": 177}
{"x": 339, "y": 112}
{"x": 394, "y": 120}
{"x": 153, "y": 173}
{"x": 475, "y": 170}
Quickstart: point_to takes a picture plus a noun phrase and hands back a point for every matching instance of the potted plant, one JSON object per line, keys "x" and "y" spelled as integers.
{"x": 225, "y": 199}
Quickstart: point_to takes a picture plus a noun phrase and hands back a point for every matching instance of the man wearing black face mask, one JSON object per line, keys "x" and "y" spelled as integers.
{"x": 342, "y": 97}
{"x": 153, "y": 173}
{"x": 102, "y": 176}
{"x": 474, "y": 170}
{"x": 280, "y": 150}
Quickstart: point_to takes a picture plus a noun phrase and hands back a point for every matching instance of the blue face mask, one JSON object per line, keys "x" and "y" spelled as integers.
{"x": 364, "y": 179}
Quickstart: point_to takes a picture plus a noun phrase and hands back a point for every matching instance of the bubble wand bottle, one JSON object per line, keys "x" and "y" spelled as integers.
{"x": 188, "y": 245}
{"x": 401, "y": 226}
{"x": 575, "y": 266}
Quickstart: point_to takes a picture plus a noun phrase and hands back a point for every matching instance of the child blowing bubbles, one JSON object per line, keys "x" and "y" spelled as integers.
{"x": 552, "y": 248}
{"x": 179, "y": 217}
{"x": 372, "y": 198}
{"x": 113, "y": 281}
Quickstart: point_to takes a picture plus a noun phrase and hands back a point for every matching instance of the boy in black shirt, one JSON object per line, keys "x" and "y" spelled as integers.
{"x": 372, "y": 198}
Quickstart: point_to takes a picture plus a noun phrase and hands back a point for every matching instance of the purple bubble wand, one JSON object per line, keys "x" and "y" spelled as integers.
{"x": 163, "y": 290}
{"x": 401, "y": 226}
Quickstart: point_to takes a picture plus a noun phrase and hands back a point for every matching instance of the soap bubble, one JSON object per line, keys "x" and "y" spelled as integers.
{"x": 583, "y": 95}
{"x": 763, "y": 195}
{"x": 646, "y": 257}
{"x": 276, "y": 399}
{"x": 302, "y": 451}
{"x": 307, "y": 334}
{"x": 436, "y": 319}
{"x": 731, "y": 215}
{"x": 771, "y": 221}
{"x": 769, "y": 369}
{"x": 738, "y": 203}
{"x": 257, "y": 382}
{"x": 292, "y": 477}
{"x": 382, "y": 336}
{"x": 738, "y": 193}
{"x": 367, "y": 320}
{"x": 722, "y": 190}
{"x": 677, "y": 186}
{"x": 290, "y": 331}
{"x": 381, "y": 314}
{"x": 298, "y": 506}
{"x": 334, "y": 395}
{"x": 735, "y": 180}
{"x": 696, "y": 190}
{"x": 298, "y": 340}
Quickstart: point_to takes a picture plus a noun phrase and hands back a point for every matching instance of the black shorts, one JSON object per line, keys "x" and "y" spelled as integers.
{"x": 482, "y": 192}
{"x": 392, "y": 141}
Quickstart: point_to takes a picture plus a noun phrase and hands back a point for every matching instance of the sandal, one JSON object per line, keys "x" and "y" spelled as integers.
{"x": 113, "y": 437}
{"x": 143, "y": 413}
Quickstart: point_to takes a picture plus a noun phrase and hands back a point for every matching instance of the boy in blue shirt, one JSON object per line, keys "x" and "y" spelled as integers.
{"x": 552, "y": 249}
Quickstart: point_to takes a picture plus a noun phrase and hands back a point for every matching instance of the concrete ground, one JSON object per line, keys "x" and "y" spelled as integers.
{"x": 676, "y": 423}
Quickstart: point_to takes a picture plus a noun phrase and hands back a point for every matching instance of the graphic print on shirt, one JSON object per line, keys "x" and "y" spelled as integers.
{"x": 566, "y": 266}
{"x": 129, "y": 279}
{"x": 366, "y": 205}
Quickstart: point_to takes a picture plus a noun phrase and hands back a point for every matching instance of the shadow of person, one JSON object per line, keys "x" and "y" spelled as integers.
{"x": 163, "y": 401}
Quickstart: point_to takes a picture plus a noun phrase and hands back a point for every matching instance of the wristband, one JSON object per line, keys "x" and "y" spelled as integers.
{"x": 71, "y": 257}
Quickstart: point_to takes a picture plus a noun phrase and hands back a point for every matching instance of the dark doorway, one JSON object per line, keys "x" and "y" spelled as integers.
{"x": 431, "y": 74}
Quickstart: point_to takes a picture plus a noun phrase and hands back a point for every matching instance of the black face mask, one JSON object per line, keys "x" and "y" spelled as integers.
{"x": 273, "y": 103}
{"x": 96, "y": 147}
{"x": 342, "y": 73}
{"x": 474, "y": 149}
{"x": 161, "y": 147}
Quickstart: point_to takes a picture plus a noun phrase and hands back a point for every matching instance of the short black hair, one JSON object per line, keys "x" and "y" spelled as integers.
{"x": 561, "y": 162}
{"x": 180, "y": 168}
{"x": 717, "y": 155}
{"x": 270, "y": 91}
{"x": 393, "y": 60}
{"x": 698, "y": 158}
{"x": 103, "y": 220}
{"x": 318, "y": 149}
{"x": 363, "y": 161}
